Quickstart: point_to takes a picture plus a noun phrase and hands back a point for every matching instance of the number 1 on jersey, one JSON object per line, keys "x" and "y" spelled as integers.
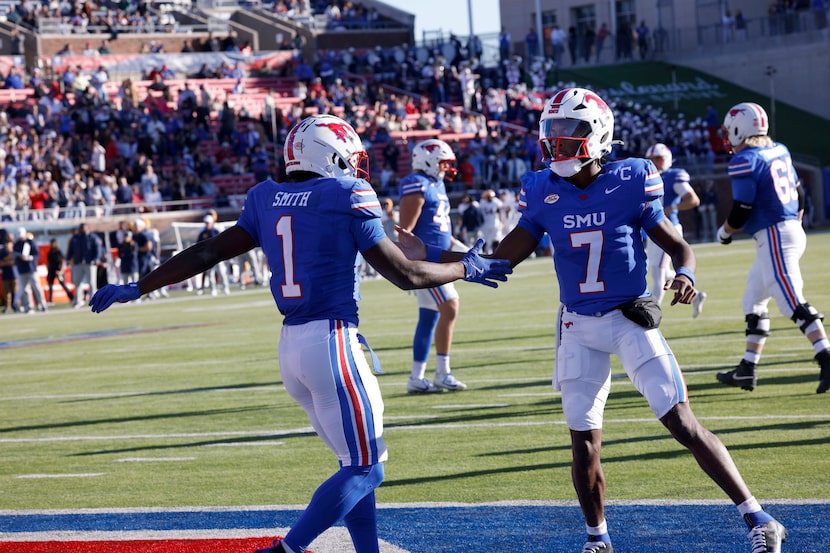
{"x": 290, "y": 289}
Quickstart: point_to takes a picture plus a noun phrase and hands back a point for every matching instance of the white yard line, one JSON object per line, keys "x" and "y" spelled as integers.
{"x": 309, "y": 430}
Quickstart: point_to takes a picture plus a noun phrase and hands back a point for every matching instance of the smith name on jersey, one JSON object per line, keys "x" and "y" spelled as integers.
{"x": 308, "y": 288}
{"x": 590, "y": 227}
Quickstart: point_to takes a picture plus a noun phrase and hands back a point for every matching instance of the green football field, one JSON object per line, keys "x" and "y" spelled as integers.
{"x": 178, "y": 401}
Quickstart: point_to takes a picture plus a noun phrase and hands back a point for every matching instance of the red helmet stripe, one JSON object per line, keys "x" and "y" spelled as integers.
{"x": 759, "y": 113}
{"x": 557, "y": 100}
{"x": 289, "y": 144}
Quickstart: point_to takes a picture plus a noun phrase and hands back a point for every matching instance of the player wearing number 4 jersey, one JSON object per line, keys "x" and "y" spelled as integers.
{"x": 768, "y": 203}
{"x": 593, "y": 213}
{"x": 425, "y": 211}
{"x": 311, "y": 230}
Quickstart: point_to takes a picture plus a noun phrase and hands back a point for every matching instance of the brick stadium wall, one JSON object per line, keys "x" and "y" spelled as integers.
{"x": 124, "y": 44}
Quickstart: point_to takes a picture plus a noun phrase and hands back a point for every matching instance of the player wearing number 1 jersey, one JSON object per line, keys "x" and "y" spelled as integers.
{"x": 311, "y": 230}
{"x": 768, "y": 203}
{"x": 594, "y": 213}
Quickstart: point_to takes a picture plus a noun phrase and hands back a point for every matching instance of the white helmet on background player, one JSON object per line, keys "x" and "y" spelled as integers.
{"x": 744, "y": 120}
{"x": 326, "y": 145}
{"x": 662, "y": 151}
{"x": 434, "y": 157}
{"x": 576, "y": 127}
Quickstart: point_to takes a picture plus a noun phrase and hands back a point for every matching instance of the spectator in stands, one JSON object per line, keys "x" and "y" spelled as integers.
{"x": 588, "y": 39}
{"x": 17, "y": 42}
{"x": 153, "y": 198}
{"x": 14, "y": 79}
{"x": 89, "y": 50}
{"x": 504, "y": 44}
{"x": 227, "y": 123}
{"x": 625, "y": 40}
{"x": 148, "y": 180}
{"x": 531, "y": 44}
{"x": 602, "y": 34}
{"x": 643, "y": 38}
{"x": 37, "y": 200}
{"x": 713, "y": 126}
{"x": 7, "y": 204}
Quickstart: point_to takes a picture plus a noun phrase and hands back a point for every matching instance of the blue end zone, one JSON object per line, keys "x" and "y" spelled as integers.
{"x": 635, "y": 528}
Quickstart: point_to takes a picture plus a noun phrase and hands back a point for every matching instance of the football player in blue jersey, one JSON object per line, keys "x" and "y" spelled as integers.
{"x": 593, "y": 212}
{"x": 678, "y": 195}
{"x": 767, "y": 204}
{"x": 425, "y": 211}
{"x": 311, "y": 230}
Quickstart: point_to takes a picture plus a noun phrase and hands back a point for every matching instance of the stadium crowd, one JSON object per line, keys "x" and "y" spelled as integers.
{"x": 73, "y": 147}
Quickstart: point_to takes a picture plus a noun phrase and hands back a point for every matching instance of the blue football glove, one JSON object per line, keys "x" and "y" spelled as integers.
{"x": 482, "y": 270}
{"x": 724, "y": 237}
{"x": 112, "y": 293}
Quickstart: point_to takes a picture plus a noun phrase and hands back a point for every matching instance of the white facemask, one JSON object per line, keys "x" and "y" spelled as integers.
{"x": 568, "y": 167}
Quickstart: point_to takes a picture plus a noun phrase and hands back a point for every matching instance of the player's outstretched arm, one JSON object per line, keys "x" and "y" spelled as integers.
{"x": 196, "y": 259}
{"x": 389, "y": 260}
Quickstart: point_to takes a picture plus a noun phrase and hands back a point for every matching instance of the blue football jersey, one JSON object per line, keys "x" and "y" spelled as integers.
{"x": 311, "y": 233}
{"x": 675, "y": 182}
{"x": 765, "y": 179}
{"x": 598, "y": 253}
{"x": 434, "y": 226}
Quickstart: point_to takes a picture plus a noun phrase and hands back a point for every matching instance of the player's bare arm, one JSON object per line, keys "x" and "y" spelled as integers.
{"x": 390, "y": 261}
{"x": 409, "y": 209}
{"x": 516, "y": 246}
{"x": 198, "y": 258}
{"x": 682, "y": 256}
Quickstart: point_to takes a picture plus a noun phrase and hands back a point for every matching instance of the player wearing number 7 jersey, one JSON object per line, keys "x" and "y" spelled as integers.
{"x": 768, "y": 203}
{"x": 593, "y": 213}
{"x": 311, "y": 230}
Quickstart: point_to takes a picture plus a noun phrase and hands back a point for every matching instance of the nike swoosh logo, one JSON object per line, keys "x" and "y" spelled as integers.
{"x": 610, "y": 190}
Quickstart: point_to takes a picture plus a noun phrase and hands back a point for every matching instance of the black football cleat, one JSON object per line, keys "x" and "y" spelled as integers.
{"x": 742, "y": 376}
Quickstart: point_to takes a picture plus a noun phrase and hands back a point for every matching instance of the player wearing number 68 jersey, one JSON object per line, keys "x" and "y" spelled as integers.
{"x": 594, "y": 213}
{"x": 768, "y": 203}
{"x": 311, "y": 230}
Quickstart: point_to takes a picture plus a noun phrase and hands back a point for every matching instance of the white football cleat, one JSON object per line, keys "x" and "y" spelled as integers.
{"x": 421, "y": 386}
{"x": 697, "y": 304}
{"x": 767, "y": 538}
{"x": 448, "y": 382}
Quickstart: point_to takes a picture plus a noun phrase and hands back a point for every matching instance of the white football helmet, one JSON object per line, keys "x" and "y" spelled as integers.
{"x": 576, "y": 127}
{"x": 326, "y": 145}
{"x": 434, "y": 157}
{"x": 744, "y": 120}
{"x": 662, "y": 151}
